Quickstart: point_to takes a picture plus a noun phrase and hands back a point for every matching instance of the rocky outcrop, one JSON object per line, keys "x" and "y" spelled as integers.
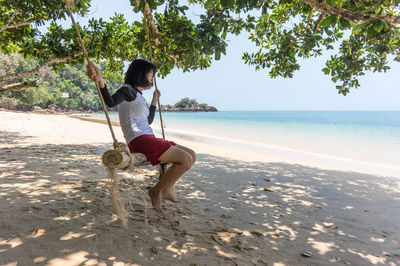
{"x": 188, "y": 105}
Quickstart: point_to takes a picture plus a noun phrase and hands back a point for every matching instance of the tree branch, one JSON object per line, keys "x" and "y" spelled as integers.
{"x": 12, "y": 78}
{"x": 153, "y": 28}
{"x": 320, "y": 18}
{"x": 308, "y": 22}
{"x": 309, "y": 19}
{"x": 150, "y": 20}
{"x": 354, "y": 16}
{"x": 19, "y": 85}
{"x": 13, "y": 16}
{"x": 17, "y": 25}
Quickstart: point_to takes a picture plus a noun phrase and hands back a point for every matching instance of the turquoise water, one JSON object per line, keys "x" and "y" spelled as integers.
{"x": 371, "y": 136}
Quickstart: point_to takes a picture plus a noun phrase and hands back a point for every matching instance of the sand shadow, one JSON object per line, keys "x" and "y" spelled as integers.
{"x": 56, "y": 208}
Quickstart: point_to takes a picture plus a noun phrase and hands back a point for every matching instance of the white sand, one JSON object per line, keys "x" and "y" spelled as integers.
{"x": 55, "y": 209}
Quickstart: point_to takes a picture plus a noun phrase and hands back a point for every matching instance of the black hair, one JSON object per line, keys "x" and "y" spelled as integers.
{"x": 136, "y": 75}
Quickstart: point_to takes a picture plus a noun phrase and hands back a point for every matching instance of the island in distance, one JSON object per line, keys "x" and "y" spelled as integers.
{"x": 188, "y": 105}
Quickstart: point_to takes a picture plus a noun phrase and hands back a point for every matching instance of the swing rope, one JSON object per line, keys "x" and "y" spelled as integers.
{"x": 155, "y": 81}
{"x": 163, "y": 166}
{"x": 115, "y": 144}
{"x": 118, "y": 203}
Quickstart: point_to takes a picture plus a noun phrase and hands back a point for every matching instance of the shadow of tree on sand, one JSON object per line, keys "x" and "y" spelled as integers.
{"x": 287, "y": 209}
{"x": 55, "y": 209}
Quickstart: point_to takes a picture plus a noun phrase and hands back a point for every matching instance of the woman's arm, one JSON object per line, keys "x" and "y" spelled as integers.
{"x": 110, "y": 100}
{"x": 152, "y": 112}
{"x": 123, "y": 94}
{"x": 95, "y": 74}
{"x": 152, "y": 108}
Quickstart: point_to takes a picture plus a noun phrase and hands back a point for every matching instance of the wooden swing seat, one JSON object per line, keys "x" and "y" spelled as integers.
{"x": 112, "y": 157}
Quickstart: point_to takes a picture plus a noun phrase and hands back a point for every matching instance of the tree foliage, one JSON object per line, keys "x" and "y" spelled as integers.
{"x": 186, "y": 102}
{"x": 188, "y": 105}
{"x": 71, "y": 80}
{"x": 362, "y": 35}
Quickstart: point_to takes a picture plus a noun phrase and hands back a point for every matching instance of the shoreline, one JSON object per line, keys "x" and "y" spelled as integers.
{"x": 56, "y": 209}
{"x": 243, "y": 150}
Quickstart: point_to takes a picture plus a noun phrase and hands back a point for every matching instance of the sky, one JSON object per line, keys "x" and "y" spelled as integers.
{"x": 229, "y": 84}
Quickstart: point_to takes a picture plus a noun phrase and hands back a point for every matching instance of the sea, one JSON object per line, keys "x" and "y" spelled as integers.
{"x": 366, "y": 137}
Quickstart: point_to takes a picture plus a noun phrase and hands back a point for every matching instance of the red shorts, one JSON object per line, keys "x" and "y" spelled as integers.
{"x": 150, "y": 146}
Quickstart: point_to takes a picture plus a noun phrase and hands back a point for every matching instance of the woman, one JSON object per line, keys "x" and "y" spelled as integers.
{"x": 135, "y": 119}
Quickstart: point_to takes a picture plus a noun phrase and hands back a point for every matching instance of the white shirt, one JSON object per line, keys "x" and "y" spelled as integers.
{"x": 133, "y": 118}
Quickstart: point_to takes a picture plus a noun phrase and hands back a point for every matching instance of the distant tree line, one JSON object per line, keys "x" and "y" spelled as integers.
{"x": 67, "y": 88}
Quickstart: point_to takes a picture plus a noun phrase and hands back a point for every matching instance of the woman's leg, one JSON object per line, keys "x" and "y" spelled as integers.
{"x": 181, "y": 162}
{"x": 170, "y": 190}
{"x": 191, "y": 152}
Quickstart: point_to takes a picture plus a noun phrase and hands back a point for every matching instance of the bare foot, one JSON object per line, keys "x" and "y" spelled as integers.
{"x": 156, "y": 200}
{"x": 168, "y": 194}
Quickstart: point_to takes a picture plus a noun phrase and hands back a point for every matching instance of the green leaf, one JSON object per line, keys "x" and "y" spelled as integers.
{"x": 344, "y": 23}
{"x": 228, "y": 3}
{"x": 326, "y": 70}
{"x": 358, "y": 27}
{"x": 327, "y": 21}
{"x": 371, "y": 31}
{"x": 141, "y": 5}
{"x": 217, "y": 55}
{"x": 223, "y": 35}
{"x": 378, "y": 26}
{"x": 152, "y": 4}
{"x": 208, "y": 4}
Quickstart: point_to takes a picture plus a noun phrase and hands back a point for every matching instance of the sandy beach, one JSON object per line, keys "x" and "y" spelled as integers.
{"x": 237, "y": 208}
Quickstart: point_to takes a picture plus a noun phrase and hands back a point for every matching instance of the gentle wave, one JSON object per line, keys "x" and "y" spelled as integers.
{"x": 362, "y": 137}
{"x": 192, "y": 136}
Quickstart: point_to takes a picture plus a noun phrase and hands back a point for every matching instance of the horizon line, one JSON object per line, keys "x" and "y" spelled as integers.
{"x": 311, "y": 110}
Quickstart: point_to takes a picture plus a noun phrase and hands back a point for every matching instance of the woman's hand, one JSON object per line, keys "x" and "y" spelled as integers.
{"x": 156, "y": 96}
{"x": 94, "y": 74}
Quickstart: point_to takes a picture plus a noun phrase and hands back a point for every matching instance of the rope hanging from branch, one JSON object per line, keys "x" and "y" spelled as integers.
{"x": 68, "y": 3}
{"x": 154, "y": 78}
{"x": 147, "y": 16}
{"x": 115, "y": 159}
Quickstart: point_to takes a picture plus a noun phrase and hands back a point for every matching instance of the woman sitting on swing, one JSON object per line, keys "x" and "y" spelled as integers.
{"x": 135, "y": 119}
